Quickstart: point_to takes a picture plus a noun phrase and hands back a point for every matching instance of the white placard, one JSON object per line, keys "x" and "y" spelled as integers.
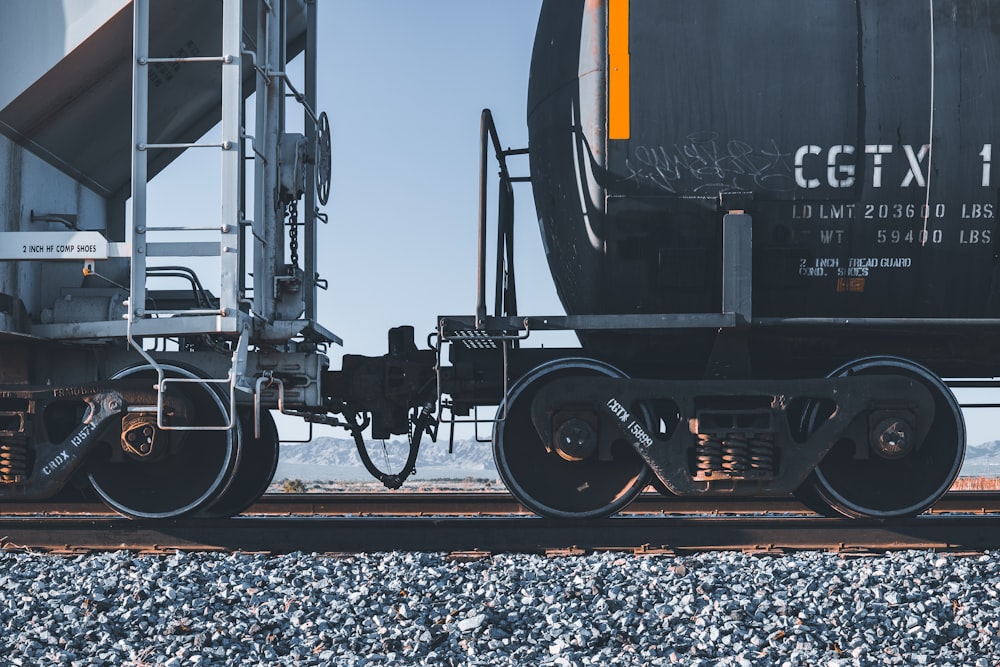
{"x": 53, "y": 245}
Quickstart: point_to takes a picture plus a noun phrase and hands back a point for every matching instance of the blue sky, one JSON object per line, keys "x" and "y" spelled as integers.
{"x": 404, "y": 84}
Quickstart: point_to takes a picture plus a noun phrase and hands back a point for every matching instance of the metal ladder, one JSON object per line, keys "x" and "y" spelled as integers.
{"x": 220, "y": 240}
{"x": 223, "y": 238}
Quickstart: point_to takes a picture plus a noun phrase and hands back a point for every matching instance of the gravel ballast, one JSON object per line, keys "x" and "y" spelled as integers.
{"x": 401, "y": 608}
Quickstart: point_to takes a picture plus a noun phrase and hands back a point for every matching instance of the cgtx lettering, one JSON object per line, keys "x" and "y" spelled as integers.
{"x": 836, "y": 166}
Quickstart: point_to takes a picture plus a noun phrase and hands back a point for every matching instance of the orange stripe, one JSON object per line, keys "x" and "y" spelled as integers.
{"x": 619, "y": 79}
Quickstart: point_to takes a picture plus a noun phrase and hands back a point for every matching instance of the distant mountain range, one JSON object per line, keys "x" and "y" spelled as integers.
{"x": 984, "y": 452}
{"x": 342, "y": 452}
{"x": 982, "y": 460}
{"x": 476, "y": 458}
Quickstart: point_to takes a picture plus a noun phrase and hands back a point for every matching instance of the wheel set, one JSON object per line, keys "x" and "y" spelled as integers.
{"x": 552, "y": 482}
{"x": 894, "y": 461}
{"x": 904, "y": 460}
{"x": 899, "y": 477}
{"x": 166, "y": 473}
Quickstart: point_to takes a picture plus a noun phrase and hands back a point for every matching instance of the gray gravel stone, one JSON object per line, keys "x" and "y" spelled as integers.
{"x": 602, "y": 609}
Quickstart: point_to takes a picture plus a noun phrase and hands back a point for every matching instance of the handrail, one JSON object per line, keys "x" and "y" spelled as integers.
{"x": 488, "y": 133}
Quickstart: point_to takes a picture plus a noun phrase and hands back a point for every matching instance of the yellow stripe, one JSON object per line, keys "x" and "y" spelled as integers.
{"x": 619, "y": 80}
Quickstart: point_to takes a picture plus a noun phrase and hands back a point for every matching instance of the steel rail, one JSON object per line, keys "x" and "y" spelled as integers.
{"x": 490, "y": 535}
{"x": 491, "y": 503}
{"x": 469, "y": 503}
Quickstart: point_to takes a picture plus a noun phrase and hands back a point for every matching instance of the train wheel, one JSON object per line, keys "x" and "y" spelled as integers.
{"x": 258, "y": 461}
{"x": 547, "y": 483}
{"x": 812, "y": 415}
{"x": 906, "y": 478}
{"x": 809, "y": 495}
{"x": 186, "y": 472}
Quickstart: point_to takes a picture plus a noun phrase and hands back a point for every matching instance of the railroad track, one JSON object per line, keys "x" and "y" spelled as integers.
{"x": 472, "y": 536}
{"x": 964, "y": 521}
{"x": 491, "y": 503}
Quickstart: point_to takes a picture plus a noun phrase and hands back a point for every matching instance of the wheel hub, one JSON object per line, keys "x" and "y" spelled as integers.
{"x": 575, "y": 439}
{"x": 892, "y": 438}
{"x": 140, "y": 438}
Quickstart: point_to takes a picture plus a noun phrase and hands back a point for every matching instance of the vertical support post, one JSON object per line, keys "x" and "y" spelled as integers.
{"x": 140, "y": 103}
{"x": 140, "y": 177}
{"x": 505, "y": 249}
{"x": 507, "y": 215}
{"x": 737, "y": 263}
{"x": 485, "y": 120}
{"x": 269, "y": 255}
{"x": 310, "y": 236}
{"x": 232, "y": 156}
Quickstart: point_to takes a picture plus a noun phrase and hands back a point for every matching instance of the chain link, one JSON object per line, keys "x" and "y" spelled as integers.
{"x": 293, "y": 233}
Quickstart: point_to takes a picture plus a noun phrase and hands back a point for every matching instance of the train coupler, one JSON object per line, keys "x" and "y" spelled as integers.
{"x": 387, "y": 387}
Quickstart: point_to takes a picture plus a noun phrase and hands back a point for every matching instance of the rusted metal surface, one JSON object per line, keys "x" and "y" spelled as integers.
{"x": 501, "y": 534}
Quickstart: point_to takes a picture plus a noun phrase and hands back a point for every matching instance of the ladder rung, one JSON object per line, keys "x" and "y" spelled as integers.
{"x": 181, "y": 311}
{"x": 184, "y": 249}
{"x": 192, "y": 59}
{"x": 214, "y": 228}
{"x": 145, "y": 147}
